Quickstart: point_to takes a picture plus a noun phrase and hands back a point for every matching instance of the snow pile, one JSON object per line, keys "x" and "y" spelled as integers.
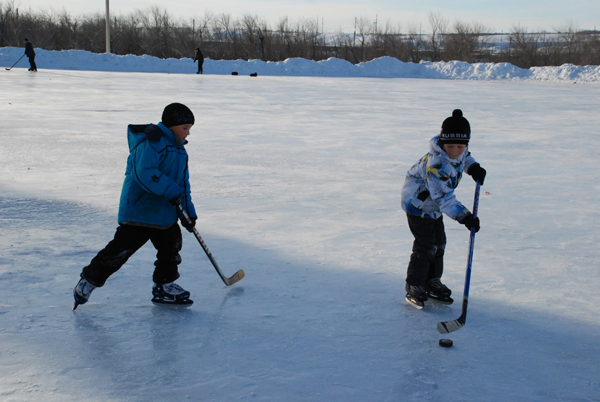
{"x": 384, "y": 67}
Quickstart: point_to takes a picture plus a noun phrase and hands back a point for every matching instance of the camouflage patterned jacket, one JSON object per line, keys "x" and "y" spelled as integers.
{"x": 429, "y": 185}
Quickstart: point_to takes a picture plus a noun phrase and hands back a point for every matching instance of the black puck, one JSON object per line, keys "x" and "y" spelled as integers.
{"x": 446, "y": 343}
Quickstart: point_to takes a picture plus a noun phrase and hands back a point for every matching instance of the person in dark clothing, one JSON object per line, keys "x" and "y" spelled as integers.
{"x": 30, "y": 54}
{"x": 200, "y": 59}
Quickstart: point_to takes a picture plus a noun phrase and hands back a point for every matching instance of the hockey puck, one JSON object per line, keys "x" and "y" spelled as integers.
{"x": 446, "y": 343}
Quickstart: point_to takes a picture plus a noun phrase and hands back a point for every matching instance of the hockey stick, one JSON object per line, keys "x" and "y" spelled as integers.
{"x": 450, "y": 326}
{"x": 15, "y": 63}
{"x": 228, "y": 281}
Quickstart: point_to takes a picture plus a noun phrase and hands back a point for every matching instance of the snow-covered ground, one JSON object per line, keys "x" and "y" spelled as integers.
{"x": 297, "y": 181}
{"x": 384, "y": 67}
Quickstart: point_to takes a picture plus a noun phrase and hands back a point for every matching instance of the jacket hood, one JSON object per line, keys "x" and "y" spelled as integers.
{"x": 436, "y": 149}
{"x": 137, "y": 133}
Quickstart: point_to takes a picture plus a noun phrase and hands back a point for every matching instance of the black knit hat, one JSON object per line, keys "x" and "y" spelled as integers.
{"x": 456, "y": 129}
{"x": 176, "y": 114}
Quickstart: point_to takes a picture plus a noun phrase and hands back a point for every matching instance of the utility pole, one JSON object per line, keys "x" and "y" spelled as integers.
{"x": 107, "y": 28}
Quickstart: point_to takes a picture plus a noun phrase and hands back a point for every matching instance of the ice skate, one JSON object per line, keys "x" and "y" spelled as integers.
{"x": 170, "y": 294}
{"x": 439, "y": 292}
{"x": 82, "y": 292}
{"x": 416, "y": 295}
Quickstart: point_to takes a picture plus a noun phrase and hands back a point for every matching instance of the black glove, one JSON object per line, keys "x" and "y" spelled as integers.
{"x": 477, "y": 173}
{"x": 175, "y": 201}
{"x": 188, "y": 226}
{"x": 471, "y": 222}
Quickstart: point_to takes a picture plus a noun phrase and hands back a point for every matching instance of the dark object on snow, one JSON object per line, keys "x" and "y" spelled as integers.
{"x": 254, "y": 75}
{"x": 446, "y": 343}
{"x": 234, "y": 73}
{"x": 30, "y": 54}
{"x": 200, "y": 59}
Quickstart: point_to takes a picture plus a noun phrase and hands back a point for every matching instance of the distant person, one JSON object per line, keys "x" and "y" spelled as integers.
{"x": 156, "y": 182}
{"x": 200, "y": 59}
{"x": 30, "y": 54}
{"x": 428, "y": 192}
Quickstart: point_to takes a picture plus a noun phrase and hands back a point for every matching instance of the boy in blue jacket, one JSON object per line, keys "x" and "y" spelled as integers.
{"x": 428, "y": 192}
{"x": 156, "y": 181}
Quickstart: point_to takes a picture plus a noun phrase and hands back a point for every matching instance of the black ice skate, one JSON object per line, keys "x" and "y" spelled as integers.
{"x": 82, "y": 292}
{"x": 416, "y": 295}
{"x": 171, "y": 294}
{"x": 439, "y": 292}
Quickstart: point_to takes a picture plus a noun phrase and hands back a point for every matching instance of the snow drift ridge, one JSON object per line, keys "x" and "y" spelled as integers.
{"x": 384, "y": 67}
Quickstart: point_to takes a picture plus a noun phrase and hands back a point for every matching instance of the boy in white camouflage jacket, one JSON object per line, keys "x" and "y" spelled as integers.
{"x": 428, "y": 192}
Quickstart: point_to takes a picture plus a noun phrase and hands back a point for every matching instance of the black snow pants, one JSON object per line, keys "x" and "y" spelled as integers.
{"x": 129, "y": 239}
{"x": 427, "y": 258}
{"x": 33, "y": 66}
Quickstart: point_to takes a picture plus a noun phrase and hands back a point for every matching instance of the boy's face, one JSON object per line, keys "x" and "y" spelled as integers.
{"x": 181, "y": 131}
{"x": 454, "y": 151}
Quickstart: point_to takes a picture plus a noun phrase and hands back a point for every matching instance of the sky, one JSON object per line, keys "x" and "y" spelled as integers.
{"x": 337, "y": 15}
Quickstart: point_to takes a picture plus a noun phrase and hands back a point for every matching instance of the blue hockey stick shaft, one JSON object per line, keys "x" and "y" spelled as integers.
{"x": 451, "y": 326}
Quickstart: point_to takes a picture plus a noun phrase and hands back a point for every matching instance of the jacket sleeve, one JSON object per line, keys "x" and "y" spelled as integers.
{"x": 146, "y": 159}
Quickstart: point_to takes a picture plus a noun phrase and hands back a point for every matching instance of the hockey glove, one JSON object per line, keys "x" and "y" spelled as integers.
{"x": 471, "y": 222}
{"x": 188, "y": 226}
{"x": 477, "y": 172}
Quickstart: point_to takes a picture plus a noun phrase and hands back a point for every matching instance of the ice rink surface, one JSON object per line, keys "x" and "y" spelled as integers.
{"x": 297, "y": 181}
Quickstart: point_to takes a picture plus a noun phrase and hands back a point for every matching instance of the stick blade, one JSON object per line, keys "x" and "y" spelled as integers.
{"x": 238, "y": 276}
{"x": 449, "y": 326}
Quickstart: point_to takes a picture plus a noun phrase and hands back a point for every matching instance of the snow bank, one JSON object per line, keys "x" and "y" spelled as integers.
{"x": 384, "y": 67}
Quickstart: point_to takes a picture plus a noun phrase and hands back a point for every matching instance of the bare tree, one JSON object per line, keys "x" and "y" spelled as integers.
{"x": 362, "y": 28}
{"x": 439, "y": 26}
{"x": 154, "y": 32}
{"x": 415, "y": 44}
{"x": 590, "y": 49}
{"x": 465, "y": 43}
{"x": 523, "y": 48}
{"x": 571, "y": 43}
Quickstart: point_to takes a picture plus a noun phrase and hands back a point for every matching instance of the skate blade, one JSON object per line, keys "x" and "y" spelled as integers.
{"x": 415, "y": 303}
{"x": 445, "y": 302}
{"x": 173, "y": 304}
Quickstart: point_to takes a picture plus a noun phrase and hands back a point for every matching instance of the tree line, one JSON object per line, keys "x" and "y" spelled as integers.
{"x": 154, "y": 32}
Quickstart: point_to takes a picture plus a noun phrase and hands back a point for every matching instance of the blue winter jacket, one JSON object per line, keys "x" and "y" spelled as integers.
{"x": 429, "y": 185}
{"x": 157, "y": 171}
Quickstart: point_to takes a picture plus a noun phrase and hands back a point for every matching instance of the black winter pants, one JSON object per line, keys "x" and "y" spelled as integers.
{"x": 427, "y": 258}
{"x": 32, "y": 65}
{"x": 129, "y": 239}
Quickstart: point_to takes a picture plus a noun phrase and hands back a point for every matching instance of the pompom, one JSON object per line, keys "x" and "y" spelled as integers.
{"x": 457, "y": 113}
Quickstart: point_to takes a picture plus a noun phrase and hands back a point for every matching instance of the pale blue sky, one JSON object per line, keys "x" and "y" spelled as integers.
{"x": 498, "y": 16}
